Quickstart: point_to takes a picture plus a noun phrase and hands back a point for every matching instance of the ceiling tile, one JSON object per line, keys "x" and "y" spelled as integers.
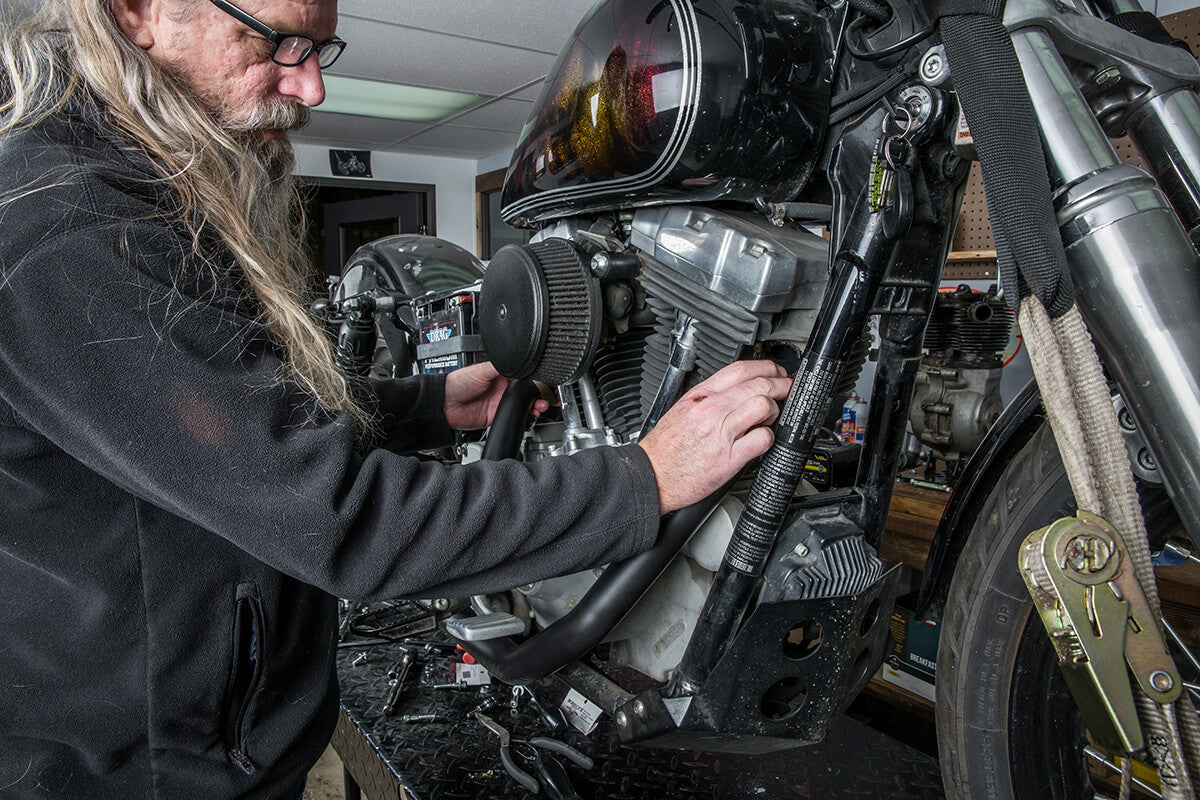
{"x": 435, "y": 60}
{"x": 433, "y": 151}
{"x": 509, "y": 22}
{"x": 351, "y": 130}
{"x": 468, "y": 141}
{"x": 530, "y": 94}
{"x": 498, "y": 115}
{"x": 483, "y": 47}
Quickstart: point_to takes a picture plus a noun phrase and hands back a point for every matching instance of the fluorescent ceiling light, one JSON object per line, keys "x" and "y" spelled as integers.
{"x": 392, "y": 101}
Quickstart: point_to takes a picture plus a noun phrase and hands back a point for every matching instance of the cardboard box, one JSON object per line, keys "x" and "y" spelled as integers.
{"x": 911, "y": 663}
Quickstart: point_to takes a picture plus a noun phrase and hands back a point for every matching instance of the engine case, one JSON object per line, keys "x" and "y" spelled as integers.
{"x": 653, "y": 636}
{"x": 957, "y": 396}
{"x": 954, "y": 407}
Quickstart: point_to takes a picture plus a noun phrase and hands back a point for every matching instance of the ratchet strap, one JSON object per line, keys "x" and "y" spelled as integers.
{"x": 1081, "y": 414}
{"x": 1033, "y": 268}
{"x": 995, "y": 100}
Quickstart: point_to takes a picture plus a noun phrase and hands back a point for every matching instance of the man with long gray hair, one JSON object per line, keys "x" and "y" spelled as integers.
{"x": 183, "y": 472}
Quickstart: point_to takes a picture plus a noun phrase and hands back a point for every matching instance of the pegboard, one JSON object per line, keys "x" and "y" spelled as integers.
{"x": 972, "y": 255}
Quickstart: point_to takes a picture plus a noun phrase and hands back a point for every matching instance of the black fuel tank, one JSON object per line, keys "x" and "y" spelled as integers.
{"x": 657, "y": 101}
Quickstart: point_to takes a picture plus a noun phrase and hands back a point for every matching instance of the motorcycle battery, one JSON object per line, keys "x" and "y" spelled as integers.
{"x": 832, "y": 466}
{"x": 447, "y": 331}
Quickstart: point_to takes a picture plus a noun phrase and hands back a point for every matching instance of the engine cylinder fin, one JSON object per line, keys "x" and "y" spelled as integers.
{"x": 618, "y": 373}
{"x": 723, "y": 329}
{"x": 968, "y": 328}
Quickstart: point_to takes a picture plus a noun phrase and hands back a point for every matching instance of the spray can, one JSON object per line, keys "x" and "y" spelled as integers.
{"x": 860, "y": 419}
{"x": 849, "y": 419}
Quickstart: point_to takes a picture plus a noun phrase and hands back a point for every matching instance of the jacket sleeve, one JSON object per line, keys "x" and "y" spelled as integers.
{"x": 177, "y": 399}
{"x": 411, "y": 413}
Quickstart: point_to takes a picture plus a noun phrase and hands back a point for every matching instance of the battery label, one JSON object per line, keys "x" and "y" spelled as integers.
{"x": 440, "y": 332}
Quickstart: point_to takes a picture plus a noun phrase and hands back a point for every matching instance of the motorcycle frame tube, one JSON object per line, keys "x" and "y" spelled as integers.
{"x": 916, "y": 271}
{"x": 900, "y": 346}
{"x": 857, "y": 270}
{"x": 1134, "y": 268}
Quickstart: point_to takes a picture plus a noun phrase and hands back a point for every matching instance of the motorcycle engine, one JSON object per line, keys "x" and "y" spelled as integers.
{"x": 957, "y": 398}
{"x": 594, "y": 307}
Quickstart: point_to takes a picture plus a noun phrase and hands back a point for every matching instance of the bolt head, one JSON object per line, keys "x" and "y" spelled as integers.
{"x": 1162, "y": 681}
{"x": 638, "y": 707}
{"x": 1109, "y": 76}
{"x": 951, "y": 161}
{"x": 601, "y": 264}
{"x": 622, "y": 719}
{"x": 1088, "y": 554}
{"x": 800, "y": 550}
{"x": 931, "y": 67}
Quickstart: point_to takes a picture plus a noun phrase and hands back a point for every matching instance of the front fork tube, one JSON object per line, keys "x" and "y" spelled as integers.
{"x": 856, "y": 274}
{"x": 1136, "y": 272}
{"x": 1166, "y": 131}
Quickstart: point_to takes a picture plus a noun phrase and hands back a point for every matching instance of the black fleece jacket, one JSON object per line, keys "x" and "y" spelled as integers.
{"x": 176, "y": 521}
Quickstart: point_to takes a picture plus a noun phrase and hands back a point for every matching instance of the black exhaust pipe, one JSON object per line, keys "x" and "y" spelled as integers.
{"x": 613, "y": 594}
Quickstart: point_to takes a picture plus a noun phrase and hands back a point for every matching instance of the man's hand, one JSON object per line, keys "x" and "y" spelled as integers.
{"x": 714, "y": 430}
{"x": 472, "y": 394}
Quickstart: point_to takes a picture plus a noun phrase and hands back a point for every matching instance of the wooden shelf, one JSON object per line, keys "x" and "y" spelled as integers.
{"x": 959, "y": 256}
{"x": 899, "y": 697}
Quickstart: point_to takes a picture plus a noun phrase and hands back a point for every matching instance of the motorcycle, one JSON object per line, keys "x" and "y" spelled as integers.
{"x": 680, "y": 163}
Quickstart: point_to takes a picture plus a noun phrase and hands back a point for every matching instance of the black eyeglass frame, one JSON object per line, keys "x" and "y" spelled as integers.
{"x": 277, "y": 39}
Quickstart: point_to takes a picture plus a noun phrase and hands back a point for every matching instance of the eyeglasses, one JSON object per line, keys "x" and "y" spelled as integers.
{"x": 288, "y": 49}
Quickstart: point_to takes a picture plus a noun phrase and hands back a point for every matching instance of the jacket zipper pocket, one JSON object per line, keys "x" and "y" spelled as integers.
{"x": 245, "y": 673}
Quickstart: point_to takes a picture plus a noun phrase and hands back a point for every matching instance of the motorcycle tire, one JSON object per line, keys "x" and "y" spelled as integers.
{"x": 1007, "y": 726}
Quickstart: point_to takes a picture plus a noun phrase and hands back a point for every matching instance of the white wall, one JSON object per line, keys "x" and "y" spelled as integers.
{"x": 493, "y": 162}
{"x": 452, "y": 178}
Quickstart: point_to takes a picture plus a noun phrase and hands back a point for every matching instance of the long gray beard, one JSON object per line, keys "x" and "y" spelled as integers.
{"x": 277, "y": 212}
{"x": 275, "y": 156}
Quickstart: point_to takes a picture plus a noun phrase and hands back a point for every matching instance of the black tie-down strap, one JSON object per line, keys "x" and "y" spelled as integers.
{"x": 988, "y": 80}
{"x": 1147, "y": 26}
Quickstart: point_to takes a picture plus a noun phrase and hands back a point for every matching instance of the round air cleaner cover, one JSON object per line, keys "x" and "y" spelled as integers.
{"x": 540, "y": 312}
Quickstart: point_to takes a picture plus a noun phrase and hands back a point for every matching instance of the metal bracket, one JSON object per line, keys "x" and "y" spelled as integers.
{"x": 1083, "y": 585}
{"x": 1120, "y": 70}
{"x": 485, "y": 627}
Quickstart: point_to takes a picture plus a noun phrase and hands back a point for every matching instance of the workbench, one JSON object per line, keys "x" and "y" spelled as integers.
{"x": 454, "y": 758}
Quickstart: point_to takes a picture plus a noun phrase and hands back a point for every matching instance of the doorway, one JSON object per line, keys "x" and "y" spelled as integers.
{"x": 343, "y": 215}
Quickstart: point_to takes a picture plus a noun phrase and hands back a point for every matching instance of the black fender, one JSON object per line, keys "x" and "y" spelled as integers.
{"x": 1016, "y": 426}
{"x": 413, "y": 266}
{"x": 416, "y": 265}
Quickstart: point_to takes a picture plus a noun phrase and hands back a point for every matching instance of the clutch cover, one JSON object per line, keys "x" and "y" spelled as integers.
{"x": 540, "y": 312}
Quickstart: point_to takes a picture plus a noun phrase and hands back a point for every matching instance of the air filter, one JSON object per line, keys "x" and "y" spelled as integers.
{"x": 540, "y": 312}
